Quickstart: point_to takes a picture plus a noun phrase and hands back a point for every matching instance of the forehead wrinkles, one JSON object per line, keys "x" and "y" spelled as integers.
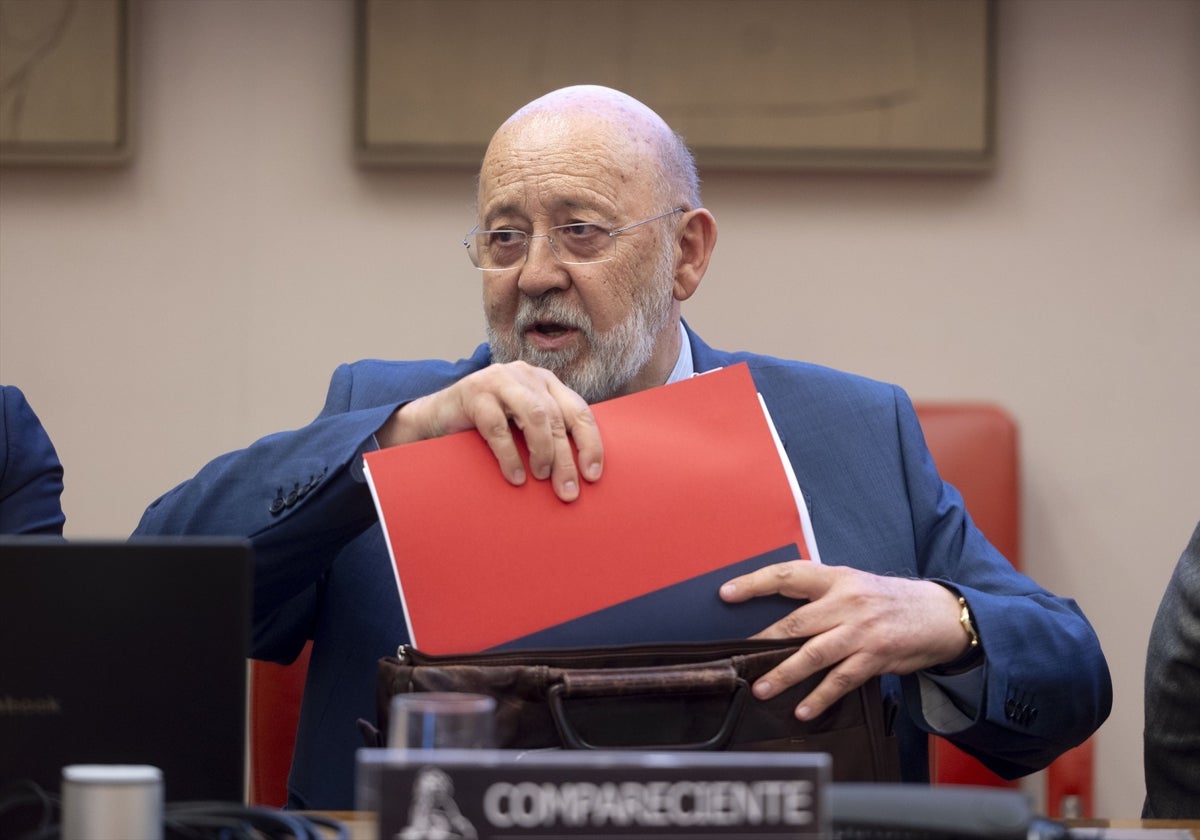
{"x": 551, "y": 160}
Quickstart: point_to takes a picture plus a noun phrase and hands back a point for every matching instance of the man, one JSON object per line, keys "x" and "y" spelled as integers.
{"x": 1171, "y": 749}
{"x": 591, "y": 235}
{"x": 31, "y": 477}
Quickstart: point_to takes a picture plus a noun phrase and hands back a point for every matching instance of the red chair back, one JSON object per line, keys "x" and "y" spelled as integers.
{"x": 275, "y": 693}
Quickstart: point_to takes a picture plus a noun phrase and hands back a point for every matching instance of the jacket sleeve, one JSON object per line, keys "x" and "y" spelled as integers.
{"x": 297, "y": 496}
{"x": 1046, "y": 685}
{"x": 31, "y": 477}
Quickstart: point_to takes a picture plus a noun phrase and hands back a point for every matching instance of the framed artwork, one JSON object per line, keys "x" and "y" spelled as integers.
{"x": 753, "y": 84}
{"x": 64, "y": 81}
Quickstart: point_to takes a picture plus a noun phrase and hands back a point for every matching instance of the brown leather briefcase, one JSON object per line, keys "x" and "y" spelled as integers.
{"x": 681, "y": 696}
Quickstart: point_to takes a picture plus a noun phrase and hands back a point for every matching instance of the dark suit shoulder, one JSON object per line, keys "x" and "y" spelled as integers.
{"x": 31, "y": 476}
{"x": 791, "y": 380}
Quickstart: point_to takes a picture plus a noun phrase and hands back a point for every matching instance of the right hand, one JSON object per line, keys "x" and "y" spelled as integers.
{"x": 493, "y": 400}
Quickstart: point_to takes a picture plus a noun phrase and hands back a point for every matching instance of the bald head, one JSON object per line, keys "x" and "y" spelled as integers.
{"x": 582, "y": 116}
{"x": 600, "y": 195}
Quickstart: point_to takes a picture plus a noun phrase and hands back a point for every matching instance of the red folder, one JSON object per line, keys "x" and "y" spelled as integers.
{"x": 694, "y": 482}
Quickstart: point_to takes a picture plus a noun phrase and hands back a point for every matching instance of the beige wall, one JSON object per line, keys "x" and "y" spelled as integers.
{"x": 160, "y": 314}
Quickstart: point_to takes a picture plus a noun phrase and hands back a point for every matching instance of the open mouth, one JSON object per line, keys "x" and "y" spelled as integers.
{"x": 551, "y": 336}
{"x": 551, "y": 330}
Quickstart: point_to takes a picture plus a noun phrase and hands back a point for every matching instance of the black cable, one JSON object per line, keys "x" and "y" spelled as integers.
{"x": 26, "y": 801}
{"x": 339, "y": 829}
{"x": 232, "y": 821}
{"x": 37, "y": 812}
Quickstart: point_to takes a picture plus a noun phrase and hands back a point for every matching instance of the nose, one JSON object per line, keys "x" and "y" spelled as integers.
{"x": 542, "y": 270}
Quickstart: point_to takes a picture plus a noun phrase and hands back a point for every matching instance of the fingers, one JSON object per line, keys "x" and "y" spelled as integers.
{"x": 826, "y": 651}
{"x": 848, "y": 675}
{"x": 794, "y": 579}
{"x": 828, "y": 643}
{"x": 556, "y": 423}
{"x": 491, "y": 420}
{"x": 856, "y": 625}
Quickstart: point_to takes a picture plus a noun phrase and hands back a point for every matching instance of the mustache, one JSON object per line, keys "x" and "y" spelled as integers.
{"x": 549, "y": 310}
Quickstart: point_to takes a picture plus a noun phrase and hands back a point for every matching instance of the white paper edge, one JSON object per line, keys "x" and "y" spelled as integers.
{"x": 391, "y": 554}
{"x": 810, "y": 539}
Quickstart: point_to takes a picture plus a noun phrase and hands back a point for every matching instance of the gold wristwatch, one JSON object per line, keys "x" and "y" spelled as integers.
{"x": 964, "y": 618}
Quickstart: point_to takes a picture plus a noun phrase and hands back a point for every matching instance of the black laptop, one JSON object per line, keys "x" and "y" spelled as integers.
{"x": 125, "y": 653}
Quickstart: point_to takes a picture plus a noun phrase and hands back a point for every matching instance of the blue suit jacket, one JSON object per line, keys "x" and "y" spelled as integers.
{"x": 31, "y": 477}
{"x": 877, "y": 503}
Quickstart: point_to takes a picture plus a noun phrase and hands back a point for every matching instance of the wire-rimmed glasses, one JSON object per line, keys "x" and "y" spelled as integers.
{"x": 580, "y": 243}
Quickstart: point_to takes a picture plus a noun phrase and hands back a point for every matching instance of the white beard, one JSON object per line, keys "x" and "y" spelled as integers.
{"x": 615, "y": 357}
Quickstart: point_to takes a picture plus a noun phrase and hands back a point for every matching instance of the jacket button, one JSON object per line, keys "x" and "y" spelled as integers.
{"x": 277, "y": 505}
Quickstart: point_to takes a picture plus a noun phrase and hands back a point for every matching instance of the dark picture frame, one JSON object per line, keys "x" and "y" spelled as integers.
{"x": 65, "y": 78}
{"x": 756, "y": 84}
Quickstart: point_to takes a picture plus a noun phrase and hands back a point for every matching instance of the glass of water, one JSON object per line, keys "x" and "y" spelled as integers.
{"x": 442, "y": 720}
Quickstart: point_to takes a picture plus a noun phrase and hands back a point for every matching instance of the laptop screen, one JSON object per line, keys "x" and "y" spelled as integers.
{"x": 125, "y": 653}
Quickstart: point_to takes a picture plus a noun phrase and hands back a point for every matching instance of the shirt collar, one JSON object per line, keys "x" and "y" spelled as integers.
{"x": 684, "y": 368}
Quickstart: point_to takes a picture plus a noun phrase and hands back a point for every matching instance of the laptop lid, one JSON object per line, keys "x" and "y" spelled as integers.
{"x": 126, "y": 653}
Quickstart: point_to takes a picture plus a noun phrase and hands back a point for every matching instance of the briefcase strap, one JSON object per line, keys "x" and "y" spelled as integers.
{"x": 710, "y": 678}
{"x": 625, "y": 684}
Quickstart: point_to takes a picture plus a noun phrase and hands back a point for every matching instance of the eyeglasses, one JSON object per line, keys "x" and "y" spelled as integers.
{"x": 580, "y": 243}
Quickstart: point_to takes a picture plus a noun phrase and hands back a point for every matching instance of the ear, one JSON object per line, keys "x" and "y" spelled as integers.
{"x": 696, "y": 241}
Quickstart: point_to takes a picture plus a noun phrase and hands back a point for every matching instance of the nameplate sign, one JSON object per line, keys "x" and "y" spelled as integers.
{"x": 485, "y": 794}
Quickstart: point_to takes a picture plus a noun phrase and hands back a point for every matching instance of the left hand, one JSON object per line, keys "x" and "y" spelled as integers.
{"x": 859, "y": 623}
